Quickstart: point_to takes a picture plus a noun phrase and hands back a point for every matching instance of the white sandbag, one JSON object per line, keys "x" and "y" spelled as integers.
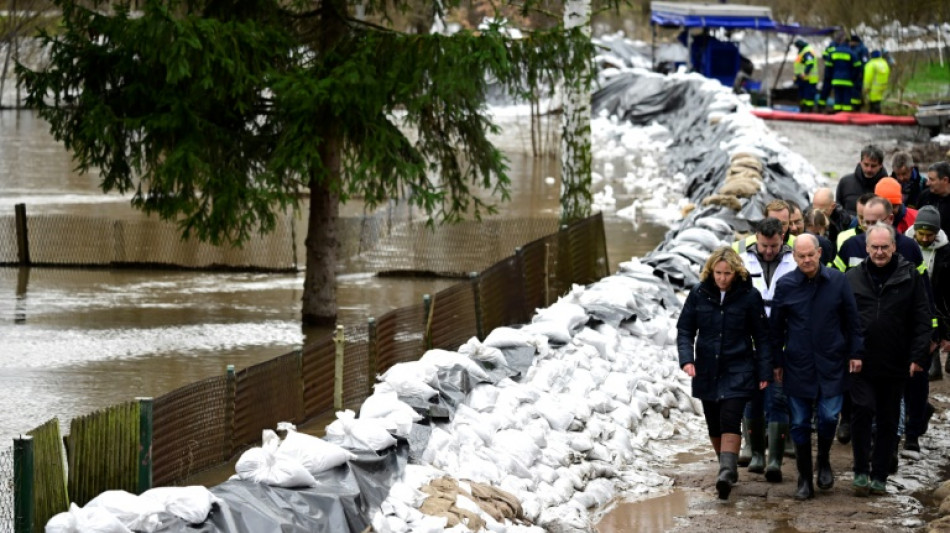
{"x": 268, "y": 466}
{"x": 395, "y": 416}
{"x": 618, "y": 386}
{"x": 192, "y": 504}
{"x": 505, "y": 337}
{"x": 600, "y": 402}
{"x": 445, "y": 359}
{"x": 556, "y": 332}
{"x": 557, "y": 416}
{"x": 133, "y": 511}
{"x": 359, "y": 434}
{"x": 413, "y": 379}
{"x": 518, "y": 444}
{"x": 482, "y": 397}
{"x": 315, "y": 454}
{"x": 484, "y": 354}
{"x": 80, "y": 520}
{"x": 571, "y": 315}
{"x": 440, "y": 441}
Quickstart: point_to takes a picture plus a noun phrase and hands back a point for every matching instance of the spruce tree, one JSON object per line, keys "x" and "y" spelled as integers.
{"x": 220, "y": 114}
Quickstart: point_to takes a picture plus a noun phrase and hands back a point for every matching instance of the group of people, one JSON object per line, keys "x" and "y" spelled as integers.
{"x": 835, "y": 315}
{"x": 852, "y": 75}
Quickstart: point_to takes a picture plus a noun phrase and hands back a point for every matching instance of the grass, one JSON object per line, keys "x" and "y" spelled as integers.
{"x": 928, "y": 82}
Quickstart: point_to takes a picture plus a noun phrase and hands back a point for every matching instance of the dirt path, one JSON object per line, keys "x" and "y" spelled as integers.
{"x": 756, "y": 505}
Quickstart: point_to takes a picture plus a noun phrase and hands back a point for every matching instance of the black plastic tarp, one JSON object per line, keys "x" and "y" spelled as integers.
{"x": 343, "y": 500}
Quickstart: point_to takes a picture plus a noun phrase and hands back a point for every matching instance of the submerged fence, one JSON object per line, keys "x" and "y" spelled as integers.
{"x": 205, "y": 424}
{"x": 394, "y": 238}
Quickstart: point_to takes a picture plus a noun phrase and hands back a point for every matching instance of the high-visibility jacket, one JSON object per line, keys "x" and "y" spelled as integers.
{"x": 806, "y": 65}
{"x": 843, "y": 65}
{"x": 876, "y": 75}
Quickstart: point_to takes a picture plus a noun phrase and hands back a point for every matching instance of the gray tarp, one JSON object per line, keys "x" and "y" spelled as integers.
{"x": 343, "y": 500}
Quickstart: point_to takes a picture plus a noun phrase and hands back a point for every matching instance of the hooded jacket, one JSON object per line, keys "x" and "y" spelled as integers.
{"x": 937, "y": 261}
{"x": 896, "y": 321}
{"x": 852, "y": 186}
{"x": 727, "y": 341}
{"x": 815, "y": 332}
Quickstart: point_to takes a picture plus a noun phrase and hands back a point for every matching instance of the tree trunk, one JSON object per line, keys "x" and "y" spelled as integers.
{"x": 319, "y": 286}
{"x": 575, "y": 129}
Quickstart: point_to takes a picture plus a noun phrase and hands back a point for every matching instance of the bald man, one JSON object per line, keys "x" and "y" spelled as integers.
{"x": 838, "y": 219}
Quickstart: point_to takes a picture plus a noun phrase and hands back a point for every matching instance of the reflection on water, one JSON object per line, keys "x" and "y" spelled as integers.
{"x": 76, "y": 340}
{"x": 646, "y": 516}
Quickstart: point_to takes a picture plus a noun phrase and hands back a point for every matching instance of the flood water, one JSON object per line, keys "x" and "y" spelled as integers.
{"x": 76, "y": 340}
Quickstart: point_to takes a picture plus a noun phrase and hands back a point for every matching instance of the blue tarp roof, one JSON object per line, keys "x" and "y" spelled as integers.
{"x": 688, "y": 15}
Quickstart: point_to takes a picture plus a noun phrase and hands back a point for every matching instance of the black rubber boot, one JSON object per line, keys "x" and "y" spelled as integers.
{"x": 728, "y": 474}
{"x": 777, "y": 432}
{"x": 756, "y": 437}
{"x": 745, "y": 453}
{"x": 826, "y": 476}
{"x": 806, "y": 490}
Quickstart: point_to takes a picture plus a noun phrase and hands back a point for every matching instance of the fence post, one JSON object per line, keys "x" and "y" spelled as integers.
{"x": 339, "y": 341}
{"x": 478, "y": 305}
{"x": 547, "y": 272}
{"x": 230, "y": 390}
{"x": 427, "y": 321}
{"x": 22, "y": 241}
{"x": 373, "y": 362}
{"x": 145, "y": 444}
{"x": 23, "y": 484}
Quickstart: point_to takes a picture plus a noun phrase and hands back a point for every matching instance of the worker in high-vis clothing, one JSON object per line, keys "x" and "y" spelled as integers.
{"x": 806, "y": 76}
{"x": 843, "y": 65}
{"x": 877, "y": 73}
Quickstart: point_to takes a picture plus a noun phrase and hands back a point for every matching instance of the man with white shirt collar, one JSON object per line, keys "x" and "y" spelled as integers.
{"x": 767, "y": 259}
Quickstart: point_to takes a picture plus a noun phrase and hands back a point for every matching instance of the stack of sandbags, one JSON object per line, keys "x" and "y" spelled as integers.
{"x": 743, "y": 180}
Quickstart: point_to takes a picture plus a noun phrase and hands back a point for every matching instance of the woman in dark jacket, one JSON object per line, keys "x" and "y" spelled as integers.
{"x": 723, "y": 345}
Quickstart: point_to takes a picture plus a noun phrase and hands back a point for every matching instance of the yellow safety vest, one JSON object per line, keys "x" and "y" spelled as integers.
{"x": 801, "y": 64}
{"x": 876, "y": 74}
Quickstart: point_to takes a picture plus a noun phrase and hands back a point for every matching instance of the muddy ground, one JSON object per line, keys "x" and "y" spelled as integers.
{"x": 756, "y": 505}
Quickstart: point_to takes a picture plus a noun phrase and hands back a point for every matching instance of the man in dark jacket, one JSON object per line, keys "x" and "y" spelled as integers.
{"x": 896, "y": 324}
{"x": 938, "y": 194}
{"x": 912, "y": 182}
{"x": 863, "y": 180}
{"x": 816, "y": 340}
{"x": 838, "y": 219}
{"x": 854, "y": 250}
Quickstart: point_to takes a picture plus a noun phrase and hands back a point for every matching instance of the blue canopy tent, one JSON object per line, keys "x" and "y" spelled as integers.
{"x": 713, "y": 58}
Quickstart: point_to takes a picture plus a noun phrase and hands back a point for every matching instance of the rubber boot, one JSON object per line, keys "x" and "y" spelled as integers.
{"x": 745, "y": 454}
{"x": 826, "y": 476}
{"x": 777, "y": 433}
{"x": 756, "y": 438}
{"x": 806, "y": 490}
{"x": 728, "y": 474}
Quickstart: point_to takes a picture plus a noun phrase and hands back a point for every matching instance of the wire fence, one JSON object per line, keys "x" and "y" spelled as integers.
{"x": 393, "y": 238}
{"x": 205, "y": 424}
{"x": 6, "y": 490}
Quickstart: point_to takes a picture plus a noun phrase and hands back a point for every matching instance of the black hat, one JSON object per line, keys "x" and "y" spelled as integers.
{"x": 800, "y": 43}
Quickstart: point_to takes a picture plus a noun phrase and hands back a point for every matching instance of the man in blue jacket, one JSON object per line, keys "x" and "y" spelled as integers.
{"x": 895, "y": 317}
{"x": 816, "y": 342}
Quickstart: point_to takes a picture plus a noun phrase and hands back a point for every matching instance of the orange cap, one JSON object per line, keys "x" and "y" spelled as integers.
{"x": 889, "y": 189}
